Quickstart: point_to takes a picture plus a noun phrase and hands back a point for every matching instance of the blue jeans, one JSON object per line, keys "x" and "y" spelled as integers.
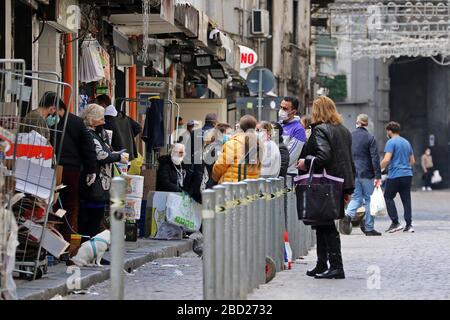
{"x": 363, "y": 190}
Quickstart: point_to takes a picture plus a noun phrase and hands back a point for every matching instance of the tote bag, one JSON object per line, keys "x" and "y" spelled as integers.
{"x": 320, "y": 197}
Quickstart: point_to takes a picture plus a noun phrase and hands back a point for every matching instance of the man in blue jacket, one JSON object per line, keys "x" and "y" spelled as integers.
{"x": 368, "y": 175}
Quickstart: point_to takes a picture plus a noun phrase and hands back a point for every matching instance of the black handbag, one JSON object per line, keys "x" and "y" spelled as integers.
{"x": 320, "y": 197}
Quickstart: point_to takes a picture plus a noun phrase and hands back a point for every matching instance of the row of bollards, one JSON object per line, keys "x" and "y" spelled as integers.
{"x": 243, "y": 226}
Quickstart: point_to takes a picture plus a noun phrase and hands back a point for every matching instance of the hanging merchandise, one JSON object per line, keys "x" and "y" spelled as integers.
{"x": 91, "y": 66}
{"x": 153, "y": 134}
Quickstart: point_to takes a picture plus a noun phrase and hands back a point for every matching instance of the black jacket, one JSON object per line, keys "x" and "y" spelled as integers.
{"x": 78, "y": 149}
{"x": 365, "y": 154}
{"x": 284, "y": 160}
{"x": 117, "y": 140}
{"x": 105, "y": 157}
{"x": 331, "y": 145}
{"x": 167, "y": 176}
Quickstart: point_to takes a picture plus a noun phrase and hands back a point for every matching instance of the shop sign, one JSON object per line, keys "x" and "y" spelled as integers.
{"x": 248, "y": 57}
{"x": 151, "y": 84}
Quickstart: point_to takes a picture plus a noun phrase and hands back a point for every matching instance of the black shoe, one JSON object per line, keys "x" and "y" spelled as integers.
{"x": 345, "y": 225}
{"x": 362, "y": 226}
{"x": 409, "y": 229}
{"x": 316, "y": 271}
{"x": 394, "y": 228}
{"x": 372, "y": 233}
{"x": 331, "y": 274}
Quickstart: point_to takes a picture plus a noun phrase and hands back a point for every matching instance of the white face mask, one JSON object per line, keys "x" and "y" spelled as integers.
{"x": 177, "y": 160}
{"x": 283, "y": 115}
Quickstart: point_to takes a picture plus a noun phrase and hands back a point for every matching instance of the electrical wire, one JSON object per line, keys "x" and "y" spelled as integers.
{"x": 41, "y": 31}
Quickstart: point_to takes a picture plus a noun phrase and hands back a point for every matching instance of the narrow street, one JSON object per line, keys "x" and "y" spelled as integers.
{"x": 411, "y": 266}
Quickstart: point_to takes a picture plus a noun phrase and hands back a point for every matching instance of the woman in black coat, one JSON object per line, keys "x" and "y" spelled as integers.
{"x": 94, "y": 188}
{"x": 330, "y": 147}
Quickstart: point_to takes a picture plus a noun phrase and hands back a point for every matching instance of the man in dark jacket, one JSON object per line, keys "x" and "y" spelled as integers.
{"x": 368, "y": 176}
{"x": 172, "y": 175}
{"x": 77, "y": 154}
{"x": 111, "y": 123}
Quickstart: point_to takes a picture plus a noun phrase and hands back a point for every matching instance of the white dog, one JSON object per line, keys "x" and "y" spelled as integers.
{"x": 91, "y": 252}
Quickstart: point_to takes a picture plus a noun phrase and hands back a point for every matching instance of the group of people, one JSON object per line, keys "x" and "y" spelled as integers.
{"x": 88, "y": 148}
{"x": 219, "y": 153}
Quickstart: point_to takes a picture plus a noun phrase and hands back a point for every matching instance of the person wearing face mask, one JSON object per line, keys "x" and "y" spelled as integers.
{"x": 95, "y": 191}
{"x": 427, "y": 167}
{"x": 368, "y": 176}
{"x": 294, "y": 134}
{"x": 172, "y": 175}
{"x": 214, "y": 141}
{"x": 36, "y": 120}
{"x": 271, "y": 161}
{"x": 111, "y": 113}
{"x": 77, "y": 154}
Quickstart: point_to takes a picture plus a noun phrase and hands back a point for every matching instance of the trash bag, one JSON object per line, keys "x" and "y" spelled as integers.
{"x": 377, "y": 203}
{"x": 197, "y": 246}
{"x": 167, "y": 231}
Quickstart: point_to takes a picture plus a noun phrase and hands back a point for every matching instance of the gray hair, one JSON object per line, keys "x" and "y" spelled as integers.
{"x": 93, "y": 112}
{"x": 363, "y": 120}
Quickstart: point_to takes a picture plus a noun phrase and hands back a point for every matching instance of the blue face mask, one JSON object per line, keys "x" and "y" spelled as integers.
{"x": 226, "y": 138}
{"x": 52, "y": 120}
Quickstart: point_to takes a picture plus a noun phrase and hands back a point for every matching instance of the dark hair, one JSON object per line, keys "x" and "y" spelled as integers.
{"x": 49, "y": 99}
{"x": 394, "y": 127}
{"x": 279, "y": 128}
{"x": 103, "y": 99}
{"x": 62, "y": 105}
{"x": 222, "y": 127}
{"x": 295, "y": 103}
{"x": 248, "y": 122}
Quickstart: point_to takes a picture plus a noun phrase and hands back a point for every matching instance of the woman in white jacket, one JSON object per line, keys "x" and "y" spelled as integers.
{"x": 271, "y": 159}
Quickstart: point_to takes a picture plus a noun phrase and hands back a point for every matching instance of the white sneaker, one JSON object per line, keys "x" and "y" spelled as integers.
{"x": 424, "y": 189}
{"x": 429, "y": 189}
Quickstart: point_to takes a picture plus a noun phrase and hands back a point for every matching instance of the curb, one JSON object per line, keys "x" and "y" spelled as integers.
{"x": 56, "y": 282}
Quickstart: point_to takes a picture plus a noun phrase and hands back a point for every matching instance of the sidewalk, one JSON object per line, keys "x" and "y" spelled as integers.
{"x": 137, "y": 254}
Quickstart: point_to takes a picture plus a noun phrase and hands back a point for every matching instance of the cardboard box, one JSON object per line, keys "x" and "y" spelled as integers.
{"x": 149, "y": 181}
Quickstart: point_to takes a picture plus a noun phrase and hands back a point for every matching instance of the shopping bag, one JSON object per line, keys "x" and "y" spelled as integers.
{"x": 136, "y": 166}
{"x": 377, "y": 203}
{"x": 436, "y": 177}
{"x": 320, "y": 197}
{"x": 184, "y": 212}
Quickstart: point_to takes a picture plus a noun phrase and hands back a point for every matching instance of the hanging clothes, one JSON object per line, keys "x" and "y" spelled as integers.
{"x": 91, "y": 68}
{"x": 153, "y": 134}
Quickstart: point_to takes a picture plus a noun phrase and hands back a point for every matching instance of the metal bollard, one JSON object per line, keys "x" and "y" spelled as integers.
{"x": 228, "y": 265}
{"x": 235, "y": 243}
{"x": 118, "y": 193}
{"x": 243, "y": 272}
{"x": 281, "y": 219}
{"x": 273, "y": 224}
{"x": 265, "y": 217}
{"x": 209, "y": 263}
{"x": 220, "y": 240}
{"x": 250, "y": 233}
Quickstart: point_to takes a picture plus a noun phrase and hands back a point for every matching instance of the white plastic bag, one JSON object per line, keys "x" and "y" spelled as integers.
{"x": 183, "y": 211}
{"x": 436, "y": 177}
{"x": 377, "y": 203}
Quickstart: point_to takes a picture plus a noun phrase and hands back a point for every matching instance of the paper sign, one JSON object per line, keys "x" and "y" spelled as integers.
{"x": 60, "y": 213}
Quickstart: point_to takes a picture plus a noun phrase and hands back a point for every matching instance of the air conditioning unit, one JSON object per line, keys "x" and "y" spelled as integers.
{"x": 260, "y": 23}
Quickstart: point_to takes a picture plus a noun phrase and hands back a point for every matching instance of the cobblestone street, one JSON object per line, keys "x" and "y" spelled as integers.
{"x": 412, "y": 266}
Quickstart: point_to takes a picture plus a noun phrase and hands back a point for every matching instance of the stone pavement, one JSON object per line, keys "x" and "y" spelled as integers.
{"x": 137, "y": 254}
{"x": 410, "y": 266}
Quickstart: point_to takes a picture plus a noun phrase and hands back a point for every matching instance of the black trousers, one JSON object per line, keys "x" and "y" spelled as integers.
{"x": 328, "y": 247}
{"x": 427, "y": 177}
{"x": 403, "y": 187}
{"x": 91, "y": 220}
